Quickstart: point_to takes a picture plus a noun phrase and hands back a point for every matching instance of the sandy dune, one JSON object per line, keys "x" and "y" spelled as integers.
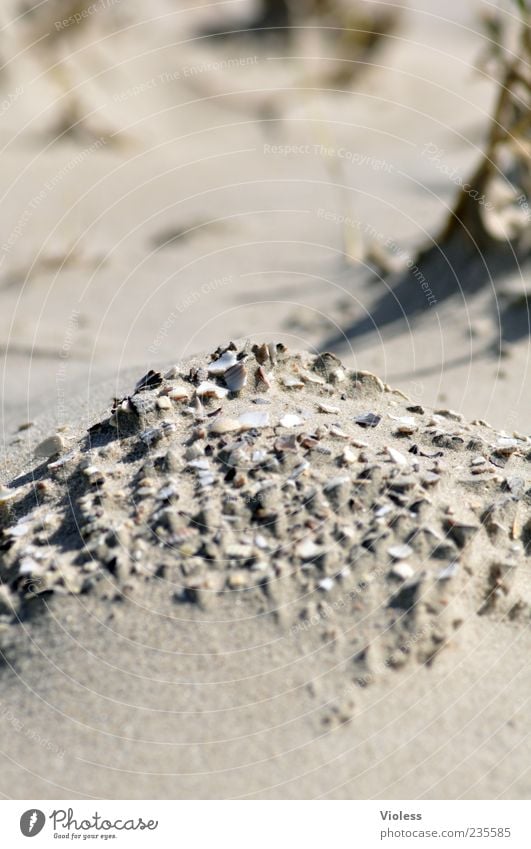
{"x": 212, "y": 190}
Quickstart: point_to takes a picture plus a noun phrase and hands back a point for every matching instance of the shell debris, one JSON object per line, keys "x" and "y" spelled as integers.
{"x": 308, "y": 479}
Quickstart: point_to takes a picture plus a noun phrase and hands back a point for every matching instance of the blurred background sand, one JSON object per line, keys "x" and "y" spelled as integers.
{"x": 164, "y": 189}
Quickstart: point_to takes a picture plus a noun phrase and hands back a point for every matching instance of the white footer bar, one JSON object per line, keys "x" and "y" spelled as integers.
{"x": 267, "y": 825}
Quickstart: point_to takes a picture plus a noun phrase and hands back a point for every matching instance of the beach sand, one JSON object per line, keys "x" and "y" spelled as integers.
{"x": 183, "y": 212}
{"x": 332, "y": 603}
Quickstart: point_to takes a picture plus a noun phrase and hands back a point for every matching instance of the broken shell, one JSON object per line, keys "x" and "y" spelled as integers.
{"x": 18, "y": 530}
{"x": 348, "y": 455}
{"x": 312, "y": 377}
{"x": 237, "y": 580}
{"x": 400, "y": 552}
{"x": 200, "y": 465}
{"x": 327, "y": 408}
{"x": 261, "y": 376}
{"x": 6, "y": 494}
{"x": 272, "y": 350}
{"x": 307, "y": 549}
{"x": 236, "y": 377}
{"x": 62, "y": 461}
{"x": 196, "y": 407}
{"x": 448, "y": 572}
{"x": 396, "y": 456}
{"x": 299, "y": 470}
{"x": 92, "y": 472}
{"x": 404, "y": 420}
{"x": 150, "y": 436}
{"x": 252, "y": 419}
{"x": 449, "y": 414}
{"x": 178, "y": 393}
{"x": 149, "y": 381}
{"x": 224, "y": 425}
{"x": 221, "y": 365}
{"x": 338, "y": 432}
{"x": 291, "y": 382}
{"x": 286, "y": 443}
{"x": 29, "y": 566}
{"x": 193, "y": 452}
{"x": 261, "y": 353}
{"x": 402, "y": 570}
{"x": 291, "y": 420}
{"x": 172, "y": 373}
{"x": 459, "y": 532}
{"x": 207, "y": 389}
{"x": 368, "y": 420}
{"x": 367, "y": 380}
{"x": 405, "y": 430}
{"x": 327, "y": 365}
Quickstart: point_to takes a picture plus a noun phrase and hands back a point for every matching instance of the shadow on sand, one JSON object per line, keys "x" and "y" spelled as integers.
{"x": 459, "y": 269}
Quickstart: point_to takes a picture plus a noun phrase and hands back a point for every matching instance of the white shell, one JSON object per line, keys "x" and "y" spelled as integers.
{"x": 338, "y": 432}
{"x": 254, "y": 419}
{"x": 399, "y": 552}
{"x": 403, "y": 571}
{"x": 307, "y": 549}
{"x": 28, "y": 566}
{"x": 222, "y": 364}
{"x": 19, "y": 530}
{"x": 224, "y": 425}
{"x": 348, "y": 455}
{"x": 404, "y": 420}
{"x": 89, "y": 471}
{"x": 207, "y": 389}
{"x": 291, "y": 420}
{"x": 327, "y": 408}
{"x": 236, "y": 377}
{"x": 178, "y": 393}
{"x": 396, "y": 457}
{"x": 200, "y": 465}
{"x": 62, "y": 461}
{"x": 312, "y": 377}
{"x": 292, "y": 382}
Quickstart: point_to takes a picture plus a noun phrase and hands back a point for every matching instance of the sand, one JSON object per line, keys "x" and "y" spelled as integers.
{"x": 183, "y": 213}
{"x": 275, "y": 626}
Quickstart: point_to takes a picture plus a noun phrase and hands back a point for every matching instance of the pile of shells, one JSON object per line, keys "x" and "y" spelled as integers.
{"x": 289, "y": 480}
